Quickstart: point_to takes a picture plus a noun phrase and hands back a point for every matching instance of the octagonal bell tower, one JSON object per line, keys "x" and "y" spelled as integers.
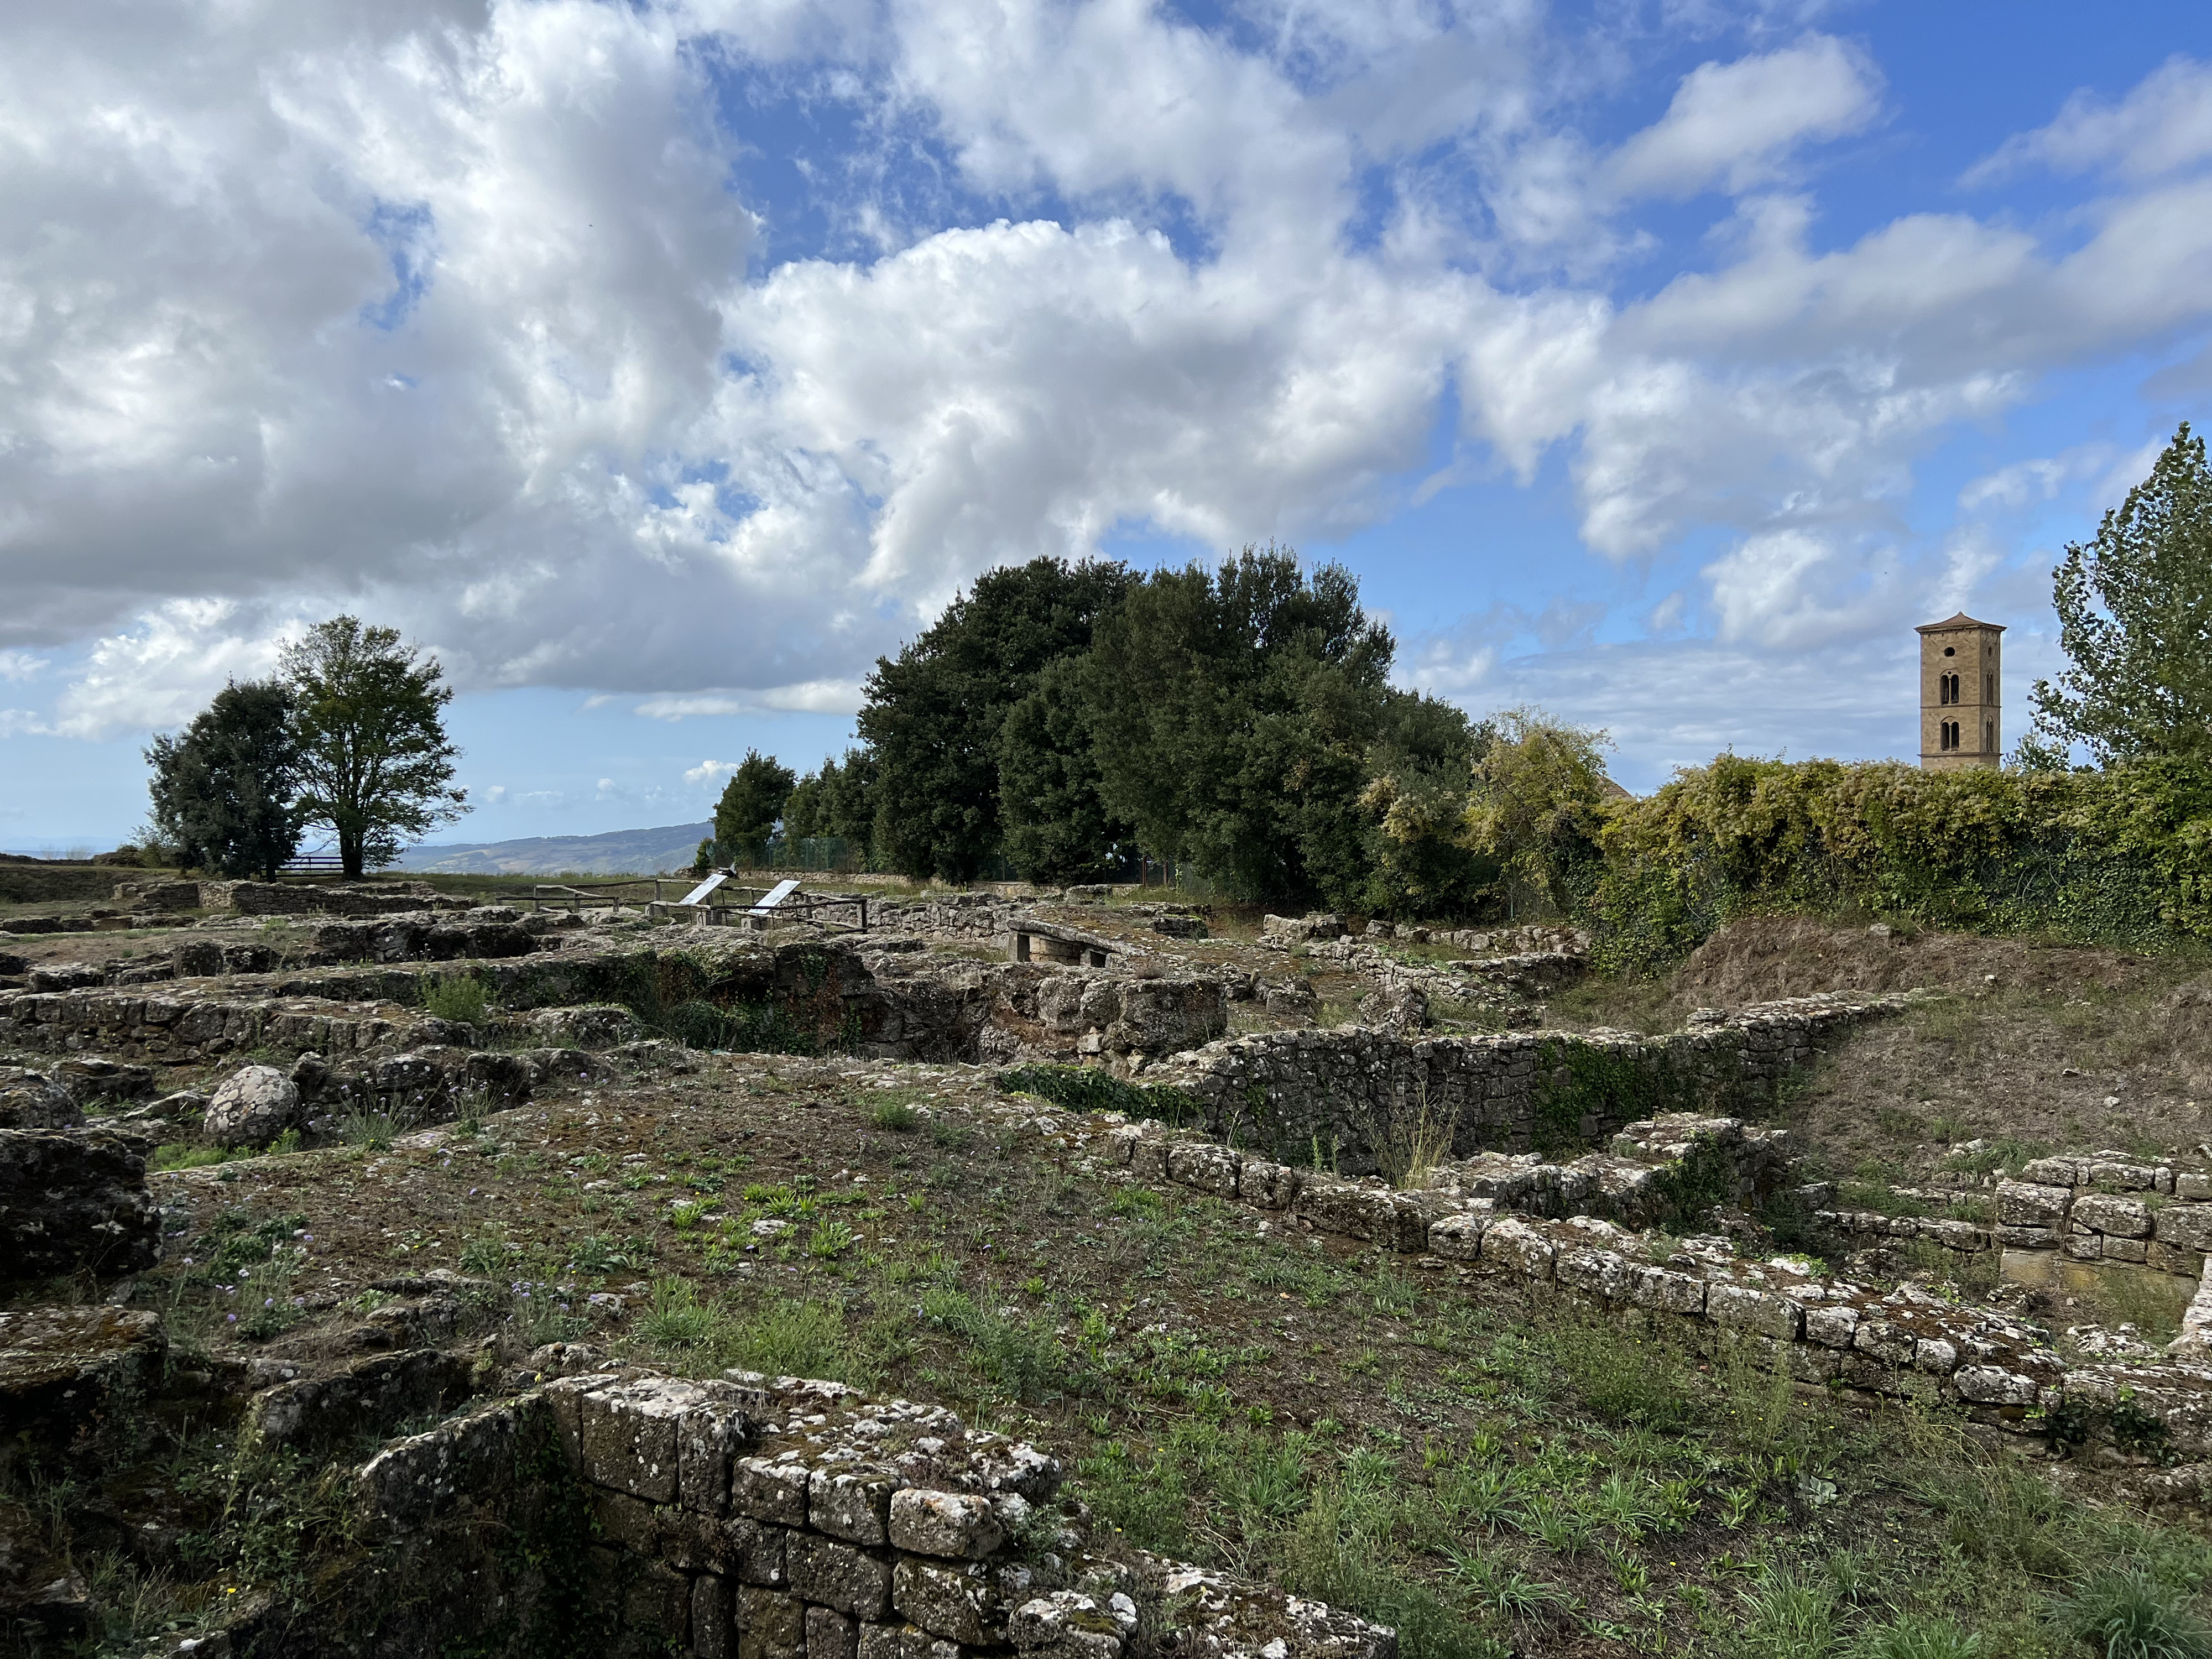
{"x": 1961, "y": 680}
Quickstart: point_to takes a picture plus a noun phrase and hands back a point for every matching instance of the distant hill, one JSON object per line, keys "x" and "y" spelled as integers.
{"x": 617, "y": 853}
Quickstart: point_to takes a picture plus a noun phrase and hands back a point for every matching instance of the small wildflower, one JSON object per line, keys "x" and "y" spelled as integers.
{"x": 232, "y": 1318}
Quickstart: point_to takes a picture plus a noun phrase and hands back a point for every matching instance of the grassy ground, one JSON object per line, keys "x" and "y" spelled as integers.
{"x": 1491, "y": 1475}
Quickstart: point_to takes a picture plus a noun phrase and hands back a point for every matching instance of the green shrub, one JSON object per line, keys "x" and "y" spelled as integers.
{"x": 1093, "y": 1089}
{"x": 461, "y": 998}
{"x": 2122, "y": 856}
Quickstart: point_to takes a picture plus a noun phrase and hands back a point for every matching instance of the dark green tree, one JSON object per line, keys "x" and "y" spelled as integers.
{"x": 2134, "y": 619}
{"x": 1232, "y": 712}
{"x": 375, "y": 765}
{"x": 222, "y": 788}
{"x": 1056, "y": 828}
{"x": 751, "y": 806}
{"x": 933, "y": 716}
{"x": 838, "y": 799}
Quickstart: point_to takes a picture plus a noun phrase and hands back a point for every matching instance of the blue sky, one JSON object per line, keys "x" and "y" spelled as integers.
{"x": 1661, "y": 362}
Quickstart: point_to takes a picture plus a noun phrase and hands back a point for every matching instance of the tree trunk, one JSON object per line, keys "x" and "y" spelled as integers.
{"x": 349, "y": 853}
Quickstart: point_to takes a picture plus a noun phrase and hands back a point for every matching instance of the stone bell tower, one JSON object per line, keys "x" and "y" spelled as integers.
{"x": 1961, "y": 665}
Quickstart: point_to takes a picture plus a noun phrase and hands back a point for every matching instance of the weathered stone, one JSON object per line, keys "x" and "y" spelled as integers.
{"x": 853, "y": 1504}
{"x": 1993, "y": 1385}
{"x": 1665, "y": 1292}
{"x": 705, "y": 1439}
{"x": 1602, "y": 1275}
{"x": 1516, "y": 1244}
{"x": 713, "y": 1632}
{"x": 755, "y": 1551}
{"x": 840, "y": 1576}
{"x": 1832, "y": 1326}
{"x": 1072, "y": 1625}
{"x": 1203, "y": 1165}
{"x": 961, "y": 1602}
{"x": 770, "y": 1625}
{"x": 629, "y": 1436}
{"x": 2118, "y": 1218}
{"x": 958, "y": 1525}
{"x": 1879, "y": 1338}
{"x": 768, "y": 1489}
{"x": 1268, "y": 1186}
{"x": 1458, "y": 1236}
{"x": 831, "y": 1635}
{"x": 2027, "y": 1204}
{"x": 31, "y": 1101}
{"x": 61, "y": 1369}
{"x": 2186, "y": 1226}
{"x": 251, "y": 1107}
{"x": 71, "y": 1200}
{"x": 1740, "y": 1307}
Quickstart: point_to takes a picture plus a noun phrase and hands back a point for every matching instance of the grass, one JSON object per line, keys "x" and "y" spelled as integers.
{"x": 1489, "y": 1475}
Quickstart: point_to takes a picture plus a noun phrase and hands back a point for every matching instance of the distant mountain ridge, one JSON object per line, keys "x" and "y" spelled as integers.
{"x": 617, "y": 853}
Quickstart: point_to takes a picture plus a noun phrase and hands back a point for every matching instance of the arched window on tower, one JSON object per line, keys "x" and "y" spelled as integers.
{"x": 1989, "y": 736}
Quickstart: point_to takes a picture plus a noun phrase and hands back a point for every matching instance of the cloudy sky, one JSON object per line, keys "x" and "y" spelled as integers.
{"x": 658, "y": 364}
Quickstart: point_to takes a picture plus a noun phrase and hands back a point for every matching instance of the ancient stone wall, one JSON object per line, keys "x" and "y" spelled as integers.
{"x": 1906, "y": 1343}
{"x": 771, "y": 1519}
{"x": 74, "y": 1200}
{"x": 1337, "y": 1096}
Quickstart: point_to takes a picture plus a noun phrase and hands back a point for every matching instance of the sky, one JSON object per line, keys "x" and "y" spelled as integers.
{"x": 658, "y": 365}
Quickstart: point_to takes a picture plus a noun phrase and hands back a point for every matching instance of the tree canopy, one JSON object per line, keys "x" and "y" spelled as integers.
{"x": 752, "y": 803}
{"x": 223, "y": 788}
{"x": 375, "y": 764}
{"x": 932, "y": 717}
{"x": 2134, "y": 619}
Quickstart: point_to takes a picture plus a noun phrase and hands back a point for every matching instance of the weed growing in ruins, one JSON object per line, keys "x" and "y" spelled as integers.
{"x": 1412, "y": 1138}
{"x": 675, "y": 1317}
{"x": 460, "y": 998}
{"x": 895, "y": 1116}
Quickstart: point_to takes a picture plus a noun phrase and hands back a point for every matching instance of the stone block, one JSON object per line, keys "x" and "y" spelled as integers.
{"x": 2173, "y": 1259}
{"x": 2194, "y": 1188}
{"x": 1935, "y": 1355}
{"x": 1602, "y": 1275}
{"x": 770, "y": 1625}
{"x": 2115, "y": 1217}
{"x": 769, "y": 1489}
{"x": 842, "y": 1576}
{"x": 1458, "y": 1236}
{"x": 1993, "y": 1385}
{"x": 2031, "y": 1204}
{"x": 1665, "y": 1292}
{"x": 2086, "y": 1247}
{"x": 2028, "y": 1238}
{"x": 853, "y": 1504}
{"x": 958, "y": 1525}
{"x": 629, "y": 1436}
{"x": 1148, "y": 1157}
{"x": 1830, "y": 1327}
{"x": 1204, "y": 1166}
{"x": 2052, "y": 1172}
{"x": 1516, "y": 1244}
{"x": 962, "y": 1603}
{"x": 2186, "y": 1226}
{"x": 71, "y": 1200}
{"x": 1069, "y": 1624}
{"x": 712, "y": 1633}
{"x": 753, "y": 1551}
{"x": 705, "y": 1442}
{"x": 1266, "y": 1185}
{"x": 1880, "y": 1339}
{"x": 1739, "y": 1307}
{"x": 831, "y": 1635}
{"x": 904, "y": 1641}
{"x": 657, "y": 1602}
{"x": 2127, "y": 1250}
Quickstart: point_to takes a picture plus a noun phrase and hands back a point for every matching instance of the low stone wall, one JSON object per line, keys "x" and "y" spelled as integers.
{"x": 1340, "y": 1094}
{"x": 1906, "y": 1343}
{"x": 771, "y": 1519}
{"x": 2108, "y": 1207}
{"x": 278, "y": 898}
